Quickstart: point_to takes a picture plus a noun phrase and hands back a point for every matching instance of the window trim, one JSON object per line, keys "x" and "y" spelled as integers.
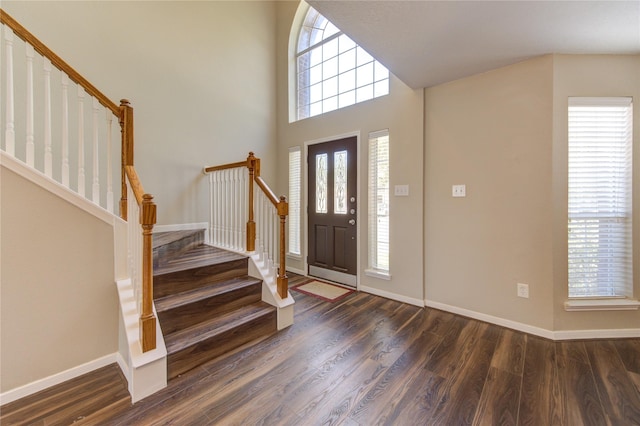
{"x": 373, "y": 269}
{"x": 624, "y": 299}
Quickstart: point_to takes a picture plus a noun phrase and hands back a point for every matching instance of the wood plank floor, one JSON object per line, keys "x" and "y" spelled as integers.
{"x": 366, "y": 360}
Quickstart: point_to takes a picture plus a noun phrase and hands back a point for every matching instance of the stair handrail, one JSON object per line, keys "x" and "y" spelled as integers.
{"x": 124, "y": 114}
{"x": 56, "y": 60}
{"x": 252, "y": 164}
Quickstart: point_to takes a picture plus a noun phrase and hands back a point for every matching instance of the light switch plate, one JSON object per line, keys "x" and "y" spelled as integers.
{"x": 459, "y": 191}
{"x": 401, "y": 190}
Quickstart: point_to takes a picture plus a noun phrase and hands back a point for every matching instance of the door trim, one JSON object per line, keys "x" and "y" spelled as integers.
{"x": 305, "y": 198}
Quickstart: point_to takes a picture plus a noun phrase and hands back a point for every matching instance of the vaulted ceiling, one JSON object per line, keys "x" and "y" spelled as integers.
{"x": 425, "y": 43}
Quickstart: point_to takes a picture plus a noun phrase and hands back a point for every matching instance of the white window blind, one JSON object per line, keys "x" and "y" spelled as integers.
{"x": 294, "y": 200}
{"x": 379, "y": 201}
{"x": 599, "y": 211}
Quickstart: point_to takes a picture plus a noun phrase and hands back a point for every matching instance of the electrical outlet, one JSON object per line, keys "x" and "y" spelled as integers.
{"x": 458, "y": 190}
{"x": 401, "y": 190}
{"x": 523, "y": 290}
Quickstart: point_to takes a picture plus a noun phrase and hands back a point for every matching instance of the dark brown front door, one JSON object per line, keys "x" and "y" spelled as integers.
{"x": 332, "y": 210}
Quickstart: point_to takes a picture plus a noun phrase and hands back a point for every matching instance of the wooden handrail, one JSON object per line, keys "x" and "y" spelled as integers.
{"x": 56, "y": 60}
{"x": 225, "y": 167}
{"x": 267, "y": 191}
{"x": 136, "y": 186}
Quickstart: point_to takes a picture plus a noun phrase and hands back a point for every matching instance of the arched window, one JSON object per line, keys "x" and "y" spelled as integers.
{"x": 332, "y": 70}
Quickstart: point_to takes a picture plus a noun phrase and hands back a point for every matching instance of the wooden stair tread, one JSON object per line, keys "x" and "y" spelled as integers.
{"x": 187, "y": 337}
{"x": 198, "y": 257}
{"x": 176, "y": 300}
{"x": 165, "y": 238}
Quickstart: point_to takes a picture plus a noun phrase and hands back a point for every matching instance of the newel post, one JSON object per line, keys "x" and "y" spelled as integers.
{"x": 283, "y": 279}
{"x": 147, "y": 319}
{"x": 126, "y": 125}
{"x": 253, "y": 166}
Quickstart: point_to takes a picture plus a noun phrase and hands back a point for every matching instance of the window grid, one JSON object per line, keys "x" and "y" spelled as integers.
{"x": 379, "y": 201}
{"x": 333, "y": 71}
{"x": 599, "y": 202}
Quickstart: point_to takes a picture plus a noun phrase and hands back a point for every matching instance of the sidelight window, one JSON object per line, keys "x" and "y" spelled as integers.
{"x": 295, "y": 170}
{"x": 379, "y": 203}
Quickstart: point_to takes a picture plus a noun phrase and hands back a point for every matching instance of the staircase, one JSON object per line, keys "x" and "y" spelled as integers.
{"x": 206, "y": 302}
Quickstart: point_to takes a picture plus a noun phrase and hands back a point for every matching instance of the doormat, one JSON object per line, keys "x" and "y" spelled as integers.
{"x": 324, "y": 291}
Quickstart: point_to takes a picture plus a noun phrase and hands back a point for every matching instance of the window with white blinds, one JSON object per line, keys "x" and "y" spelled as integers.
{"x": 294, "y": 200}
{"x": 599, "y": 210}
{"x": 379, "y": 201}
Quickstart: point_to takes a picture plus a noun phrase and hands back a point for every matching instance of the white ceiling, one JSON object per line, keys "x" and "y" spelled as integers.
{"x": 429, "y": 42}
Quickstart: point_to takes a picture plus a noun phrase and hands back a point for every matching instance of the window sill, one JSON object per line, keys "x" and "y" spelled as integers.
{"x": 601, "y": 305}
{"x": 383, "y": 275}
{"x": 294, "y": 256}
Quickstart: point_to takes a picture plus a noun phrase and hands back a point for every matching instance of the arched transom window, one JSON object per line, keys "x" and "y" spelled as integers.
{"x": 332, "y": 70}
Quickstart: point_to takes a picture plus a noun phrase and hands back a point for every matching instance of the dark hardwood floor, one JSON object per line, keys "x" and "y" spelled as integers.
{"x": 366, "y": 360}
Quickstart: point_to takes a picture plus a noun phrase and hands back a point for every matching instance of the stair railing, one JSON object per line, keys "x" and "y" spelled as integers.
{"x": 52, "y": 155}
{"x": 246, "y": 215}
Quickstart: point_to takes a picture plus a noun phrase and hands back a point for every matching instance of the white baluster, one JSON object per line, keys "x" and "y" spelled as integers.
{"x": 95, "y": 188}
{"x": 243, "y": 208}
{"x": 236, "y": 215}
{"x": 81, "y": 178}
{"x": 216, "y": 215}
{"x": 9, "y": 132}
{"x": 272, "y": 239}
{"x": 263, "y": 226}
{"x": 257, "y": 206}
{"x": 233, "y": 212}
{"x": 230, "y": 206}
{"x": 220, "y": 207}
{"x": 48, "y": 157}
{"x": 109, "y": 162}
{"x": 227, "y": 209}
{"x": 64, "y": 81}
{"x": 30, "y": 154}
{"x": 211, "y": 238}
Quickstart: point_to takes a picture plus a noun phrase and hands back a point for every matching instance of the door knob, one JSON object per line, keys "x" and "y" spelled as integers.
{"x": 352, "y": 221}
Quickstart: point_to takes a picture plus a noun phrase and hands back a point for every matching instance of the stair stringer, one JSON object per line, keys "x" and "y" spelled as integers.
{"x": 259, "y": 268}
{"x": 146, "y": 372}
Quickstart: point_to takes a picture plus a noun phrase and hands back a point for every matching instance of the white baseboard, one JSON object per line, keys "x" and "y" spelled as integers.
{"x": 185, "y": 227}
{"x": 514, "y": 325}
{"x": 392, "y": 296}
{"x": 47, "y": 382}
{"x": 624, "y": 333}
{"x": 541, "y": 332}
{"x": 296, "y": 271}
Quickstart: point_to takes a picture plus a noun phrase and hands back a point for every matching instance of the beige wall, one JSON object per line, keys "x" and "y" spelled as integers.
{"x": 581, "y": 75}
{"x": 491, "y": 132}
{"x": 58, "y": 301}
{"x": 200, "y": 75}
{"x": 401, "y": 113}
{"x": 503, "y": 134}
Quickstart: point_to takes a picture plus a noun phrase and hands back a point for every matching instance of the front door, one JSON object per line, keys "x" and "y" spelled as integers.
{"x": 332, "y": 208}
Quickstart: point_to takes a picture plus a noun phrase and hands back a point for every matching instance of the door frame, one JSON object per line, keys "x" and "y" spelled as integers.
{"x": 305, "y": 197}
